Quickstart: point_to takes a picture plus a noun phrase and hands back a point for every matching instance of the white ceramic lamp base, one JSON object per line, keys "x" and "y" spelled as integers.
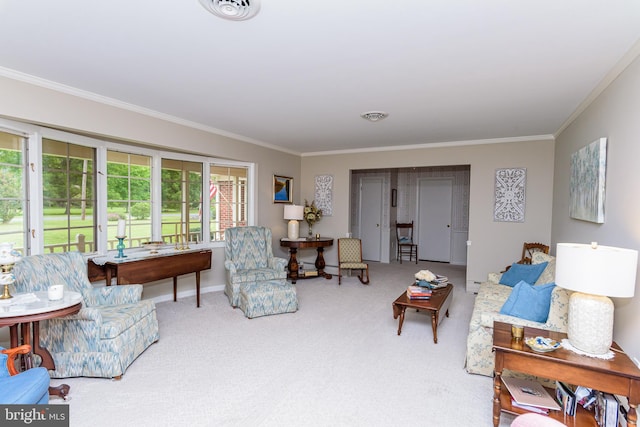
{"x": 590, "y": 323}
{"x": 293, "y": 230}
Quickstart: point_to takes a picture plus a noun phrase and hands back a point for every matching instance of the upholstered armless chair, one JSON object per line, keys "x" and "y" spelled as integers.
{"x": 249, "y": 259}
{"x": 350, "y": 258}
{"x": 111, "y": 330}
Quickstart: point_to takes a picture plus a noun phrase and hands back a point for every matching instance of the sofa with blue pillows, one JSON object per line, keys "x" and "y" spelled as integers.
{"x": 524, "y": 295}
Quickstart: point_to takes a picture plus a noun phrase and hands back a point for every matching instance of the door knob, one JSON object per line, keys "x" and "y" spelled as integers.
{"x": 448, "y": 225}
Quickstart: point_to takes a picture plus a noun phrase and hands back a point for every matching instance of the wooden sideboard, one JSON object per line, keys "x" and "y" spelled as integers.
{"x": 153, "y": 267}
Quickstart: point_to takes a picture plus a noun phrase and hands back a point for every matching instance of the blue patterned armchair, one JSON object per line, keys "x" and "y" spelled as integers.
{"x": 249, "y": 259}
{"x": 111, "y": 330}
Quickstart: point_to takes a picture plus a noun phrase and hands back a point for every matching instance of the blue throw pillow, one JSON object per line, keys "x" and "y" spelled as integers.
{"x": 529, "y": 302}
{"x": 525, "y": 272}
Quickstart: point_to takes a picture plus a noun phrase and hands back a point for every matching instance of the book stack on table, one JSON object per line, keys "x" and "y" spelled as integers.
{"x": 439, "y": 282}
{"x": 530, "y": 395}
{"x": 418, "y": 292}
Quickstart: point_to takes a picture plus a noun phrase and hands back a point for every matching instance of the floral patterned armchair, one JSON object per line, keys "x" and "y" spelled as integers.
{"x": 111, "y": 330}
{"x": 249, "y": 259}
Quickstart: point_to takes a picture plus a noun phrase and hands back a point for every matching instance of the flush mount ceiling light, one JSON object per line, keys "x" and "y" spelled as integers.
{"x": 374, "y": 116}
{"x": 235, "y": 10}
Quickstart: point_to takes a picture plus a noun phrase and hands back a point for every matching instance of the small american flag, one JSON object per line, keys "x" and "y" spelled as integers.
{"x": 213, "y": 190}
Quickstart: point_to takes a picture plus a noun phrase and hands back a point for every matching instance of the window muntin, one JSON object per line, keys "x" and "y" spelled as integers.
{"x": 228, "y": 194}
{"x": 129, "y": 197}
{"x": 13, "y": 218}
{"x": 68, "y": 187}
{"x": 181, "y": 197}
{"x": 39, "y": 149}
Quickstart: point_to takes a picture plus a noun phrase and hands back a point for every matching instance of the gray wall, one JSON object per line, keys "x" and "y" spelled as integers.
{"x": 494, "y": 244}
{"x": 38, "y": 105}
{"x": 614, "y": 114}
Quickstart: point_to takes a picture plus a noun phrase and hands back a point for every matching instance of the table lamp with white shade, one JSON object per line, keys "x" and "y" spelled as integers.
{"x": 293, "y": 213}
{"x": 595, "y": 273}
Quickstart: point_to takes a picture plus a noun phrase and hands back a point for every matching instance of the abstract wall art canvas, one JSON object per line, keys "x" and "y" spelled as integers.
{"x": 587, "y": 186}
{"x": 510, "y": 195}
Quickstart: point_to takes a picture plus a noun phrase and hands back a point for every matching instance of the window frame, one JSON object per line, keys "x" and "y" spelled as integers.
{"x": 34, "y": 242}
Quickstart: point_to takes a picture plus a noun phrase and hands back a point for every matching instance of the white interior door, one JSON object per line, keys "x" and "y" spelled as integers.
{"x": 434, "y": 219}
{"x": 371, "y": 217}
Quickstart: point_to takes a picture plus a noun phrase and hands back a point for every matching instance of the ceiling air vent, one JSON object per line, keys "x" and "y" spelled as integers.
{"x": 235, "y": 10}
{"x": 374, "y": 116}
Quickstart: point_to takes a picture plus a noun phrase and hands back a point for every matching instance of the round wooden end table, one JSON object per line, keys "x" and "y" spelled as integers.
{"x": 27, "y": 316}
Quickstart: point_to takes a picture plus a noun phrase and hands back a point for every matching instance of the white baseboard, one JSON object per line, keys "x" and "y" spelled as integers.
{"x": 187, "y": 293}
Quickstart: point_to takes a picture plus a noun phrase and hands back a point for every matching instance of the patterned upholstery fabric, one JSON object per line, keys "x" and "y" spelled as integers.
{"x": 266, "y": 298}
{"x": 113, "y": 327}
{"x": 249, "y": 259}
{"x": 350, "y": 257}
{"x": 491, "y": 296}
{"x": 549, "y": 273}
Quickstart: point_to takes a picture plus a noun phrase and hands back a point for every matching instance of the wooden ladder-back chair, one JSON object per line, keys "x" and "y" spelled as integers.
{"x": 404, "y": 240}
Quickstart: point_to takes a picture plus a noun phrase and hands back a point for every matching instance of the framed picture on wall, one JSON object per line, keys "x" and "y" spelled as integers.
{"x": 282, "y": 189}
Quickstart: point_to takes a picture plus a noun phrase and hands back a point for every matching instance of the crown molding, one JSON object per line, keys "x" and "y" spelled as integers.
{"x": 434, "y": 145}
{"x": 59, "y": 87}
{"x": 613, "y": 74}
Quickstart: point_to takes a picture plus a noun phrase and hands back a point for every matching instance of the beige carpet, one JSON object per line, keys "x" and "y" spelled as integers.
{"x": 336, "y": 362}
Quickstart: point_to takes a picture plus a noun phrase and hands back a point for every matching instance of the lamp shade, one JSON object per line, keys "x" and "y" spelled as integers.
{"x": 596, "y": 270}
{"x": 293, "y": 212}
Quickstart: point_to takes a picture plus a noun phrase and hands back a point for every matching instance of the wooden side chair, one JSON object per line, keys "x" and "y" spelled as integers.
{"x": 529, "y": 248}
{"x": 405, "y": 244}
{"x": 350, "y": 258}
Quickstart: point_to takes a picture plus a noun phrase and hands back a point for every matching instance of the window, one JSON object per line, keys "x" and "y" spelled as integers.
{"x": 228, "y": 199}
{"x": 129, "y": 197}
{"x": 65, "y": 192}
{"x": 68, "y": 197}
{"x": 181, "y": 201}
{"x": 12, "y": 190}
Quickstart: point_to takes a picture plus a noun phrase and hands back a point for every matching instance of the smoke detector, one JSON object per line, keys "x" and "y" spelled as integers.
{"x": 374, "y": 116}
{"x": 235, "y": 10}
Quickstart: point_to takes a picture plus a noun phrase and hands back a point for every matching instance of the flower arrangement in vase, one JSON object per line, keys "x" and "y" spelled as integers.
{"x": 312, "y": 214}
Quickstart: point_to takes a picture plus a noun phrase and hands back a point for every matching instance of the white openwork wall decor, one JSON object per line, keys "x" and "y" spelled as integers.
{"x": 324, "y": 194}
{"x": 510, "y": 195}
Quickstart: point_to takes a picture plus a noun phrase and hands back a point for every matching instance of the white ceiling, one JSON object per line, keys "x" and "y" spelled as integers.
{"x": 300, "y": 73}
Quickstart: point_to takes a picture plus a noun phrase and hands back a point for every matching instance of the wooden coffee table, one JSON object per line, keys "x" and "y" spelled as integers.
{"x": 616, "y": 376}
{"x": 438, "y": 305}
